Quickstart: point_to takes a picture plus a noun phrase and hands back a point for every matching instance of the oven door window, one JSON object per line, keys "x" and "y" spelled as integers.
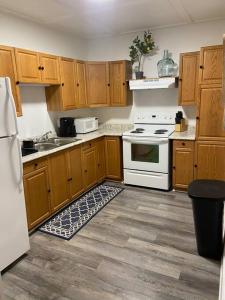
{"x": 145, "y": 153}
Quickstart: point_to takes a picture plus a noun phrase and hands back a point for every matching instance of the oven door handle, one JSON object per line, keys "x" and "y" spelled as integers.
{"x": 146, "y": 141}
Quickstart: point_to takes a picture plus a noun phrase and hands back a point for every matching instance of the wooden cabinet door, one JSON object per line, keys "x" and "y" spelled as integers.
{"x": 113, "y": 157}
{"x": 49, "y": 68}
{"x": 97, "y": 76}
{"x": 188, "y": 78}
{"x": 58, "y": 170}
{"x": 118, "y": 90}
{"x": 211, "y": 64}
{"x": 8, "y": 69}
{"x": 68, "y": 87}
{"x": 209, "y": 160}
{"x": 36, "y": 188}
{"x": 210, "y": 120}
{"x": 75, "y": 172}
{"x": 89, "y": 167}
{"x": 100, "y": 151}
{"x": 28, "y": 66}
{"x": 80, "y": 83}
{"x": 183, "y": 163}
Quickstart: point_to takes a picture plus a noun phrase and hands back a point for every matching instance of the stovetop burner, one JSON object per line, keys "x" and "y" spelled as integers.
{"x": 161, "y": 131}
{"x": 138, "y": 130}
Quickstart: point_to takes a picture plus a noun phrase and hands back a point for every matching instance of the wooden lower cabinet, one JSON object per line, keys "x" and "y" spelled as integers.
{"x": 58, "y": 171}
{"x": 113, "y": 157}
{"x": 210, "y": 160}
{"x": 89, "y": 164}
{"x": 76, "y": 185}
{"x": 37, "y": 196}
{"x": 183, "y": 163}
{"x": 100, "y": 159}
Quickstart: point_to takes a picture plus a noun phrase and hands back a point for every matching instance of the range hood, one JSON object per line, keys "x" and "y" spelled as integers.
{"x": 154, "y": 83}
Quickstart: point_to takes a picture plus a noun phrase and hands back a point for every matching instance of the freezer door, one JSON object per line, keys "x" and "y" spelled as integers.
{"x": 8, "y": 121}
{"x": 14, "y": 240}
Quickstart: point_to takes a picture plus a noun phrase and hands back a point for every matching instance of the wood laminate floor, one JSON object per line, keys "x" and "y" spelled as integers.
{"x": 140, "y": 246}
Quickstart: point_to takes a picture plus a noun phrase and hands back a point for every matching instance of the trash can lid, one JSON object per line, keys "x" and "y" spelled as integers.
{"x": 207, "y": 189}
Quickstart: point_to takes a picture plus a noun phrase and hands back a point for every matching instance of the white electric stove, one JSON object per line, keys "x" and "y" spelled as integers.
{"x": 146, "y": 151}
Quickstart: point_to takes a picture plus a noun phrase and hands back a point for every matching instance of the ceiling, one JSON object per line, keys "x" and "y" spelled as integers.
{"x": 97, "y": 18}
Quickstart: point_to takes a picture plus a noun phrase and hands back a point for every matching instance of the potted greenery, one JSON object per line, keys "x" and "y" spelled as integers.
{"x": 139, "y": 49}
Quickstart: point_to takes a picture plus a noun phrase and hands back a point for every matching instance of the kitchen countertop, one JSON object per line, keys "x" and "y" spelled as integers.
{"x": 83, "y": 138}
{"x": 185, "y": 135}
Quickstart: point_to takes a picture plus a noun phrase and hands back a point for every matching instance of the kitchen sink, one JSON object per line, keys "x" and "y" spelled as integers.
{"x": 62, "y": 141}
{"x": 45, "y": 146}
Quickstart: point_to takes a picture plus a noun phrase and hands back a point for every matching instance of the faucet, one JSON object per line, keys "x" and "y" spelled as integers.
{"x": 44, "y": 137}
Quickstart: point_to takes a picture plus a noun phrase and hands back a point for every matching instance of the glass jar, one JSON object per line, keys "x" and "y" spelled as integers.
{"x": 166, "y": 66}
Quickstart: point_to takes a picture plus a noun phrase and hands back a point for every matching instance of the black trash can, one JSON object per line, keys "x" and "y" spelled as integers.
{"x": 207, "y": 202}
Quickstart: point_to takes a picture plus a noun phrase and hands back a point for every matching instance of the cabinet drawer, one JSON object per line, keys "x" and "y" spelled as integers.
{"x": 88, "y": 145}
{"x": 34, "y": 165}
{"x": 183, "y": 144}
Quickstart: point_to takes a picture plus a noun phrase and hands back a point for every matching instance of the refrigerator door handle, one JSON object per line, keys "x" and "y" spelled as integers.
{"x": 11, "y": 100}
{"x": 20, "y": 162}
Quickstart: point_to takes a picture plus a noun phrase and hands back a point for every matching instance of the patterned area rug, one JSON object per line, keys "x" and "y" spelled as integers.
{"x": 69, "y": 221}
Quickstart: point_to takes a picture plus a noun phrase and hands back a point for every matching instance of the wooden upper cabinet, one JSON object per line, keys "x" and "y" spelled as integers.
{"x": 49, "y": 68}
{"x": 209, "y": 160}
{"x": 28, "y": 66}
{"x": 211, "y": 65}
{"x": 120, "y": 72}
{"x": 80, "y": 83}
{"x": 183, "y": 163}
{"x": 210, "y": 119}
{"x": 76, "y": 185}
{"x": 97, "y": 76}
{"x": 8, "y": 69}
{"x": 113, "y": 157}
{"x": 188, "y": 78}
{"x": 58, "y": 171}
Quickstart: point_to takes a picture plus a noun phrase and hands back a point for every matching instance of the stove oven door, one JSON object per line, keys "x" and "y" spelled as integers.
{"x": 146, "y": 154}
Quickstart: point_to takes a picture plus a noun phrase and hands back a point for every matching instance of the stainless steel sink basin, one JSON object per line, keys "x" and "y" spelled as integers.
{"x": 45, "y": 146}
{"x": 62, "y": 141}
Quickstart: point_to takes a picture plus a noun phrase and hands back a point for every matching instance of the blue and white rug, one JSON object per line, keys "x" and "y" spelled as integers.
{"x": 69, "y": 221}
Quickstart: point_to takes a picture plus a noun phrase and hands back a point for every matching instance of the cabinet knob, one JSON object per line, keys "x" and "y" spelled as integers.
{"x": 196, "y": 166}
{"x": 183, "y": 144}
{"x": 49, "y": 191}
{"x": 174, "y": 167}
{"x": 42, "y": 68}
{"x": 197, "y": 118}
{"x": 36, "y": 164}
{"x": 85, "y": 171}
{"x": 78, "y": 84}
{"x": 201, "y": 67}
{"x": 17, "y": 82}
{"x": 180, "y": 79}
{"x": 70, "y": 179}
{"x": 63, "y": 84}
{"x": 39, "y": 68}
{"x": 90, "y": 145}
{"x": 124, "y": 83}
{"x": 108, "y": 84}
{"x": 98, "y": 165}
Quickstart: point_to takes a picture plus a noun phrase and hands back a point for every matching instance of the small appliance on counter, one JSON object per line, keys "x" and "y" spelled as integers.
{"x": 85, "y": 125}
{"x": 66, "y": 127}
{"x": 180, "y": 122}
{"x": 28, "y": 147}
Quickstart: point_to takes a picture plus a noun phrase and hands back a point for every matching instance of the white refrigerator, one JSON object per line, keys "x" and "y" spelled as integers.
{"x": 14, "y": 240}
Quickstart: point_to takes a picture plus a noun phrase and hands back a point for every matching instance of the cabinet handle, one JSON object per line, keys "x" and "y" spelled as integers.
{"x": 197, "y": 118}
{"x": 183, "y": 144}
{"x": 62, "y": 84}
{"x": 201, "y": 67}
{"x": 78, "y": 84}
{"x": 42, "y": 68}
{"x": 108, "y": 84}
{"x": 49, "y": 191}
{"x": 17, "y": 82}
{"x": 39, "y": 68}
{"x": 196, "y": 166}
{"x": 70, "y": 179}
{"x": 124, "y": 83}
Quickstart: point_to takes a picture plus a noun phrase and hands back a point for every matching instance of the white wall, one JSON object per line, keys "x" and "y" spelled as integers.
{"x": 20, "y": 33}
{"x": 177, "y": 40}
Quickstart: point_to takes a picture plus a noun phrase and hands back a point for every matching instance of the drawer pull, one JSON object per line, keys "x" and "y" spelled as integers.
{"x": 70, "y": 179}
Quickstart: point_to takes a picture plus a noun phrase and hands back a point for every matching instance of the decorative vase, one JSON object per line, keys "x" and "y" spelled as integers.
{"x": 139, "y": 75}
{"x": 166, "y": 66}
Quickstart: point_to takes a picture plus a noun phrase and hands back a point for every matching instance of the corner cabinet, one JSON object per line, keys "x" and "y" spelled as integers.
{"x": 8, "y": 69}
{"x": 120, "y": 72}
{"x": 183, "y": 163}
{"x": 188, "y": 78}
{"x": 97, "y": 78}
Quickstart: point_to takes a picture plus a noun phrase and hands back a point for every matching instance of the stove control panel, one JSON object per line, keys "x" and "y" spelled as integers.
{"x": 155, "y": 118}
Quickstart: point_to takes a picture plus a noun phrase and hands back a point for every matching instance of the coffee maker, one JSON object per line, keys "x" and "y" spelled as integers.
{"x": 67, "y": 127}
